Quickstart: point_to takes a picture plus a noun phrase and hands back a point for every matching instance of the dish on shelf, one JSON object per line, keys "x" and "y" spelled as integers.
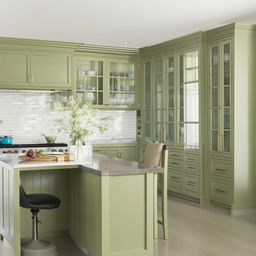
{"x": 91, "y": 73}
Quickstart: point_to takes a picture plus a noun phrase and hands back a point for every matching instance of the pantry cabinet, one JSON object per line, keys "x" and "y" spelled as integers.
{"x": 231, "y": 122}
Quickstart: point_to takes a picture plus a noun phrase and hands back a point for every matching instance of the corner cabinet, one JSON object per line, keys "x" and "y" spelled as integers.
{"x": 106, "y": 82}
{"x": 34, "y": 70}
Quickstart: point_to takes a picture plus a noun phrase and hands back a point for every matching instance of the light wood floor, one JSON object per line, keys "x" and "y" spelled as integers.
{"x": 193, "y": 231}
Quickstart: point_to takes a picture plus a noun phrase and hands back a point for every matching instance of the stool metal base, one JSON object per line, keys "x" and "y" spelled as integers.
{"x": 38, "y": 248}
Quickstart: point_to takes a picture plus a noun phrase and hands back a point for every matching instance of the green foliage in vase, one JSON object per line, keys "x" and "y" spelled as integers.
{"x": 79, "y": 120}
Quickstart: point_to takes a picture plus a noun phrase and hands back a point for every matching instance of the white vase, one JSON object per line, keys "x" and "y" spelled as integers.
{"x": 81, "y": 152}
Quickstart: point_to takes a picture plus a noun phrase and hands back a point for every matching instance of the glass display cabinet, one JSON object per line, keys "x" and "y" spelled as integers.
{"x": 220, "y": 98}
{"x": 89, "y": 83}
{"x": 188, "y": 100}
{"x": 121, "y": 83}
{"x": 159, "y": 101}
{"x": 148, "y": 101}
{"x": 171, "y": 117}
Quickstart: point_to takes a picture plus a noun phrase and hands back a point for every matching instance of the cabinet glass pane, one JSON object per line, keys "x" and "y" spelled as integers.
{"x": 171, "y": 97}
{"x": 181, "y": 96}
{"x": 214, "y": 97}
{"x": 148, "y": 115}
{"x": 147, "y": 132}
{"x": 191, "y": 75}
{"x": 191, "y": 106}
{"x": 214, "y": 140}
{"x": 170, "y": 134}
{"x": 181, "y": 115}
{"x": 181, "y": 132}
{"x": 214, "y": 53}
{"x": 227, "y": 141}
{"x": 159, "y": 100}
{"x": 158, "y": 132}
{"x": 214, "y": 66}
{"x": 191, "y": 135}
{"x": 215, "y": 118}
{"x": 122, "y": 83}
{"x": 171, "y": 115}
{"x": 226, "y": 59}
{"x": 181, "y": 70}
{"x": 226, "y": 118}
{"x": 226, "y": 96}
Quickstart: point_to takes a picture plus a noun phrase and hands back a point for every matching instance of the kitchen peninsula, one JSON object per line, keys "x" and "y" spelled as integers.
{"x": 107, "y": 204}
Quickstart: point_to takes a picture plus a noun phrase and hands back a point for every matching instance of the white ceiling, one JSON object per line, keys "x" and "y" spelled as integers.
{"x": 111, "y": 22}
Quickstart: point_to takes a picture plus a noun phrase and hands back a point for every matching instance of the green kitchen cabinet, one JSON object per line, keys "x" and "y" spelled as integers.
{"x": 14, "y": 68}
{"x": 123, "y": 151}
{"x": 231, "y": 118}
{"x": 90, "y": 79}
{"x": 50, "y": 70}
{"x": 34, "y": 70}
{"x": 106, "y": 81}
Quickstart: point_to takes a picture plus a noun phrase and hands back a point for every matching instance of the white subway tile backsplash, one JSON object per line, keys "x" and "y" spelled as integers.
{"x": 28, "y": 114}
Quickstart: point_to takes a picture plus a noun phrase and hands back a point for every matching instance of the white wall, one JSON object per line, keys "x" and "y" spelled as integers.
{"x": 27, "y": 114}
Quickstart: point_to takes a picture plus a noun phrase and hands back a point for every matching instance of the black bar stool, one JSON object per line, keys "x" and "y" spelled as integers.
{"x": 36, "y": 202}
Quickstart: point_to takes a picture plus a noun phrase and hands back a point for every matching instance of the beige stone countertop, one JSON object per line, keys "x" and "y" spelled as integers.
{"x": 98, "y": 164}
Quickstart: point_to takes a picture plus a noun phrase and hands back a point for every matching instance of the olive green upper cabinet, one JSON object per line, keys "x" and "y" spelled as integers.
{"x": 220, "y": 88}
{"x": 122, "y": 83}
{"x": 13, "y": 68}
{"x": 106, "y": 82}
{"x": 90, "y": 80}
{"x": 50, "y": 70}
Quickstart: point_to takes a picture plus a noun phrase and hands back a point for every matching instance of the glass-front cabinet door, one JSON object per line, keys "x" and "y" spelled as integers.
{"x": 220, "y": 97}
{"x": 171, "y": 100}
{"x": 188, "y": 100}
{"x": 159, "y": 101}
{"x": 89, "y": 81}
{"x": 147, "y": 101}
{"x": 121, "y": 83}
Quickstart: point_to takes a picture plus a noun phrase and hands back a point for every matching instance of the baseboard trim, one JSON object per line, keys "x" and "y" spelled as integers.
{"x": 243, "y": 211}
{"x": 184, "y": 197}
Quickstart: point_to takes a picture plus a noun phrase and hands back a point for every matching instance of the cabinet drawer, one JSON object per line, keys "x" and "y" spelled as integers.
{"x": 192, "y": 158}
{"x": 221, "y": 168}
{"x": 192, "y": 185}
{"x": 175, "y": 155}
{"x": 221, "y": 191}
{"x": 175, "y": 181}
{"x": 193, "y": 168}
{"x": 176, "y": 164}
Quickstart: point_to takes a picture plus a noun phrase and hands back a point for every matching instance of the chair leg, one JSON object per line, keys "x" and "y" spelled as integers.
{"x": 35, "y": 222}
{"x": 155, "y": 208}
{"x": 165, "y": 213}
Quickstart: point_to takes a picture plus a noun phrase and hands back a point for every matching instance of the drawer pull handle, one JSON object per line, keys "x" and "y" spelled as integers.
{"x": 191, "y": 159}
{"x": 191, "y": 184}
{"x": 174, "y": 163}
{"x": 175, "y": 178}
{"x": 220, "y": 170}
{"x": 174, "y": 155}
{"x": 221, "y": 191}
{"x": 191, "y": 167}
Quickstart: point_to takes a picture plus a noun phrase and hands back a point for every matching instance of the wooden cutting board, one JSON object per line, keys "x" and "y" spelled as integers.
{"x": 49, "y": 158}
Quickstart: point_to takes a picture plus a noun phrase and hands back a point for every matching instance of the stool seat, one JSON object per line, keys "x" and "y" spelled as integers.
{"x": 40, "y": 201}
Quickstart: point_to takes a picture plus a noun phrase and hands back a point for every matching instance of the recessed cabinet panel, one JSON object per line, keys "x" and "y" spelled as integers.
{"x": 221, "y": 191}
{"x": 13, "y": 68}
{"x": 50, "y": 69}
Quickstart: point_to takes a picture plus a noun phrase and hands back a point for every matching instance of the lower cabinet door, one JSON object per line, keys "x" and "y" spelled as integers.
{"x": 221, "y": 190}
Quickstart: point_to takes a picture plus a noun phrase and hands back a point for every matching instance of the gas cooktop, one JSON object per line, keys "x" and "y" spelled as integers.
{"x": 32, "y": 145}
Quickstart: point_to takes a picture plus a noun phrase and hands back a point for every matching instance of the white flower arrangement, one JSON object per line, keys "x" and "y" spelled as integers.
{"x": 79, "y": 120}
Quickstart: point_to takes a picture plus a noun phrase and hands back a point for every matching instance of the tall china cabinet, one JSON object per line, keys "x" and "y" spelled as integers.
{"x": 231, "y": 178}
{"x": 171, "y": 114}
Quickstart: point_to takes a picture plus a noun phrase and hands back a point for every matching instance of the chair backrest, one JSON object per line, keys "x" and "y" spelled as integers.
{"x": 154, "y": 155}
{"x": 23, "y": 196}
